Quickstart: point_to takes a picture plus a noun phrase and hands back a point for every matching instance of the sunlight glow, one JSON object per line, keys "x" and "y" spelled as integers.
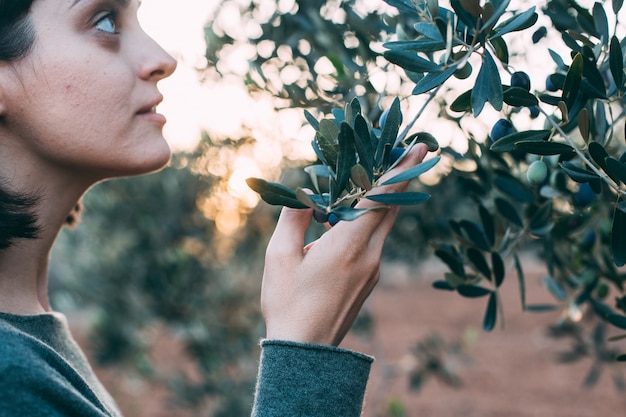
{"x": 224, "y": 109}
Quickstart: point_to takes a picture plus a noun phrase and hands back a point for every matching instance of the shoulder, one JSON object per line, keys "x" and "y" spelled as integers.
{"x": 35, "y": 380}
{"x": 16, "y": 347}
{"x": 25, "y": 373}
{"x": 21, "y": 357}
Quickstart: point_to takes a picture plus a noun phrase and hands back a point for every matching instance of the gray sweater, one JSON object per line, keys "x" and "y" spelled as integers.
{"x": 43, "y": 372}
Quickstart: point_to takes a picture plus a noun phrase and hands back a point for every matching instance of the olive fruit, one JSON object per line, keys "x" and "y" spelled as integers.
{"x": 584, "y": 196}
{"x": 537, "y": 172}
{"x": 588, "y": 240}
{"x": 320, "y": 216}
{"x": 464, "y": 72}
{"x": 395, "y": 154}
{"x": 501, "y": 128}
{"x": 550, "y": 85}
{"x": 520, "y": 79}
{"x": 539, "y": 34}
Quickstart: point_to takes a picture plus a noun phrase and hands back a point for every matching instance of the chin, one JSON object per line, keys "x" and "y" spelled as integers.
{"x": 147, "y": 159}
{"x": 156, "y": 159}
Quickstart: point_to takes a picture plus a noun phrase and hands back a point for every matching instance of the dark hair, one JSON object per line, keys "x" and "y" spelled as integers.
{"x": 17, "y": 217}
{"x": 17, "y": 220}
{"x": 16, "y": 31}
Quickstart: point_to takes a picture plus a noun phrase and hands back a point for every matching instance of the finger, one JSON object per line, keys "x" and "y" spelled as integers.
{"x": 377, "y": 240}
{"x": 379, "y": 235}
{"x": 372, "y": 220}
{"x": 288, "y": 236}
{"x": 414, "y": 157}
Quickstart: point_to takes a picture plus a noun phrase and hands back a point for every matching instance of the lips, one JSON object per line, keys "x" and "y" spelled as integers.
{"x": 150, "y": 106}
{"x": 148, "y": 111}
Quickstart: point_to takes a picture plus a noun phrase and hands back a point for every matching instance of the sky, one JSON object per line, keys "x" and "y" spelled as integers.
{"x": 190, "y": 106}
{"x": 220, "y": 109}
{"x": 179, "y": 30}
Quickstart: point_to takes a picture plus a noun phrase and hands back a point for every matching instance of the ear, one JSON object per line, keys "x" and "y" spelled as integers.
{"x": 3, "y": 80}
{"x": 3, "y": 108}
{"x": 7, "y": 77}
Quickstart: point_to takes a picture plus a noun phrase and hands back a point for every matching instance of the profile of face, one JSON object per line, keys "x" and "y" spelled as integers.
{"x": 82, "y": 101}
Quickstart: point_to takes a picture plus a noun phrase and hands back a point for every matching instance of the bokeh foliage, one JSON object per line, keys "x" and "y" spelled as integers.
{"x": 146, "y": 260}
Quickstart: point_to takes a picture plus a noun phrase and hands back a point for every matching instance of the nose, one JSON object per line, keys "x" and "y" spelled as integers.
{"x": 156, "y": 64}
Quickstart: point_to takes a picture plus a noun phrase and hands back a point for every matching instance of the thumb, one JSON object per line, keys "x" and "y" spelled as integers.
{"x": 288, "y": 237}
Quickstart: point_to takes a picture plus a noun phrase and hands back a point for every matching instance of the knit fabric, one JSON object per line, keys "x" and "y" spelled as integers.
{"x": 43, "y": 373}
{"x": 303, "y": 380}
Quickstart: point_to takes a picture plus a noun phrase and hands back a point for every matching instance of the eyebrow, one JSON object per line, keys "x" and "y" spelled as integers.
{"x": 122, "y": 3}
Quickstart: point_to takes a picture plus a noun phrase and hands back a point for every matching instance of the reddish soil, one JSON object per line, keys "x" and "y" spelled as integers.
{"x": 511, "y": 372}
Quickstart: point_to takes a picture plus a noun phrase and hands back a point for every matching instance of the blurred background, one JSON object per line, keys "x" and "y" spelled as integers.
{"x": 161, "y": 279}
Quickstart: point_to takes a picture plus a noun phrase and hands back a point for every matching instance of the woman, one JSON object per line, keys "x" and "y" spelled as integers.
{"x": 78, "y": 92}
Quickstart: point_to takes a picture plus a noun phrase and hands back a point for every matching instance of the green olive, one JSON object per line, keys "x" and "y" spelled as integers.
{"x": 537, "y": 172}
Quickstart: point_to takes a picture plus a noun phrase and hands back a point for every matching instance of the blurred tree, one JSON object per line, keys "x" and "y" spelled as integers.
{"x": 158, "y": 262}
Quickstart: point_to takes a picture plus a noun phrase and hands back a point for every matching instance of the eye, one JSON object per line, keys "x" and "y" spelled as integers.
{"x": 107, "y": 23}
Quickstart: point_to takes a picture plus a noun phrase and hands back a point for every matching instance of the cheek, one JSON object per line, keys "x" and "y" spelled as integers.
{"x": 93, "y": 105}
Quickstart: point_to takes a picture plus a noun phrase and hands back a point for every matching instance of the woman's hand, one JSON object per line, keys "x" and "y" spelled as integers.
{"x": 314, "y": 294}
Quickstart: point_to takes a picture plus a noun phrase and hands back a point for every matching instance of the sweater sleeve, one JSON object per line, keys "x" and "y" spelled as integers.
{"x": 305, "y": 380}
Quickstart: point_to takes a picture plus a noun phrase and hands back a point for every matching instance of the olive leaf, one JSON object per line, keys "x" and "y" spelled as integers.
{"x": 350, "y": 213}
{"x": 491, "y": 313}
{"x": 544, "y": 148}
{"x": 497, "y": 264}
{"x": 572, "y": 81}
{"x": 616, "y": 63}
{"x": 346, "y": 158}
{"x": 488, "y": 87}
{"x": 390, "y": 131}
{"x": 410, "y": 61}
{"x": 518, "y": 22}
{"x": 508, "y": 211}
{"x": 448, "y": 255}
{"x": 479, "y": 262}
{"x": 507, "y": 143}
{"x": 618, "y": 237}
{"x": 433, "y": 79}
{"x": 275, "y": 193}
{"x": 307, "y": 199}
{"x": 414, "y": 171}
{"x": 360, "y": 177}
{"x": 517, "y": 96}
{"x": 472, "y": 291}
{"x": 578, "y": 173}
{"x": 407, "y": 198}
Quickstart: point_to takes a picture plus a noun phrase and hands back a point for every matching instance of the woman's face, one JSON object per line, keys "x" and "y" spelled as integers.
{"x": 83, "y": 100}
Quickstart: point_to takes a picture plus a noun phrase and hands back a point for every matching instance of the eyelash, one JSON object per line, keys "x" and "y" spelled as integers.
{"x": 112, "y": 17}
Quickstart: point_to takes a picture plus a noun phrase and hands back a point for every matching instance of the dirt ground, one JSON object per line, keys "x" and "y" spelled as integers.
{"x": 509, "y": 372}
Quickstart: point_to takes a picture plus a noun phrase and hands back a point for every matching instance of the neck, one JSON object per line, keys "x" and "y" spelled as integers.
{"x": 24, "y": 266}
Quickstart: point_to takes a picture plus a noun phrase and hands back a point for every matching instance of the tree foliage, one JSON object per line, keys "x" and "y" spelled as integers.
{"x": 557, "y": 188}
